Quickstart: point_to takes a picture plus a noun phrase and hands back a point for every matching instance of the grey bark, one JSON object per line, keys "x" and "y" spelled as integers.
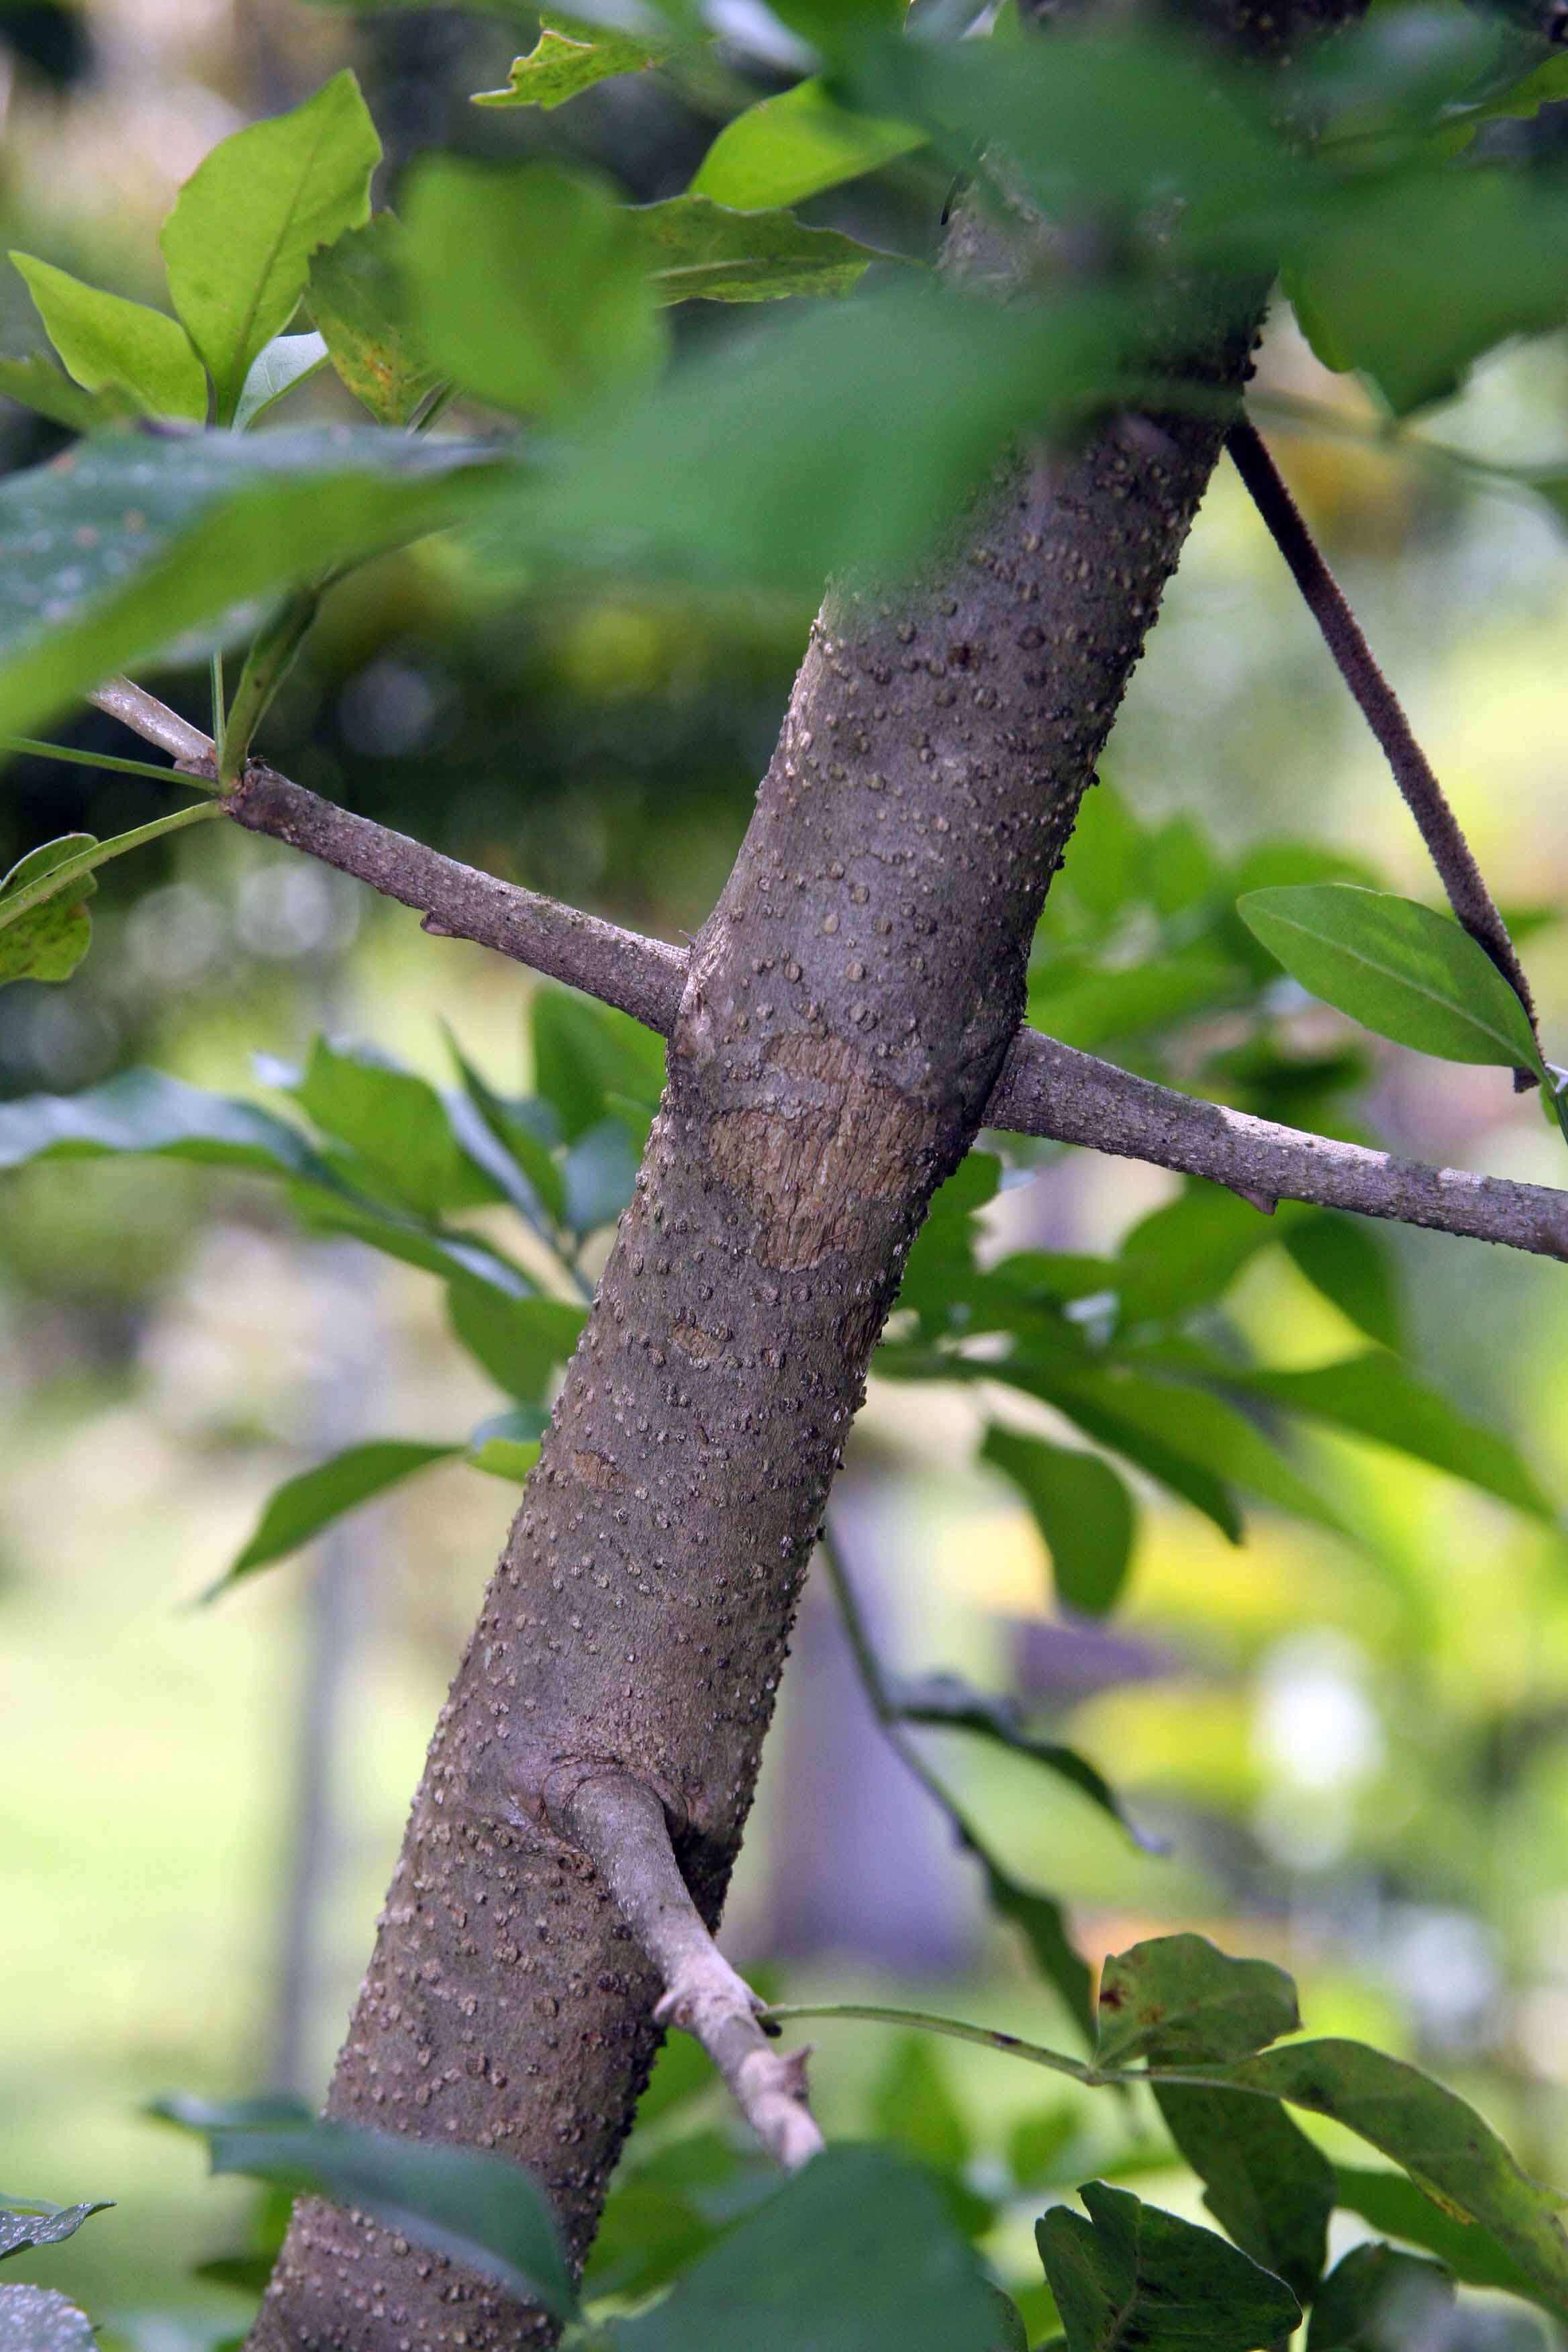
{"x": 844, "y": 1016}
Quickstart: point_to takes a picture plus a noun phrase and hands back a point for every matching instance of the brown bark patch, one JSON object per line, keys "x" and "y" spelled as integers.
{"x": 830, "y": 1138}
{"x": 595, "y": 1470}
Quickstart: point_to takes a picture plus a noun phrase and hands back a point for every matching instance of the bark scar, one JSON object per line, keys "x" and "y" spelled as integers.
{"x": 829, "y": 1137}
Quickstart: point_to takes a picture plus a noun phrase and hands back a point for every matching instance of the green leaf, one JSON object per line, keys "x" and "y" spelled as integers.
{"x": 508, "y": 1445}
{"x": 583, "y": 1053}
{"x": 530, "y": 286}
{"x": 1082, "y": 1510}
{"x": 1441, "y": 2142}
{"x": 1182, "y": 1997}
{"x": 42, "y": 2225}
{"x": 303, "y": 1507}
{"x": 534, "y": 1186}
{"x": 1413, "y": 281}
{"x": 1267, "y": 2185}
{"x": 1352, "y": 1267}
{"x": 36, "y": 384}
{"x": 106, "y": 342}
{"x": 1189, "y": 1441}
{"x": 50, "y": 938}
{"x": 1393, "y": 2204}
{"x": 912, "y": 2105}
{"x": 598, "y": 1175}
{"x": 1397, "y": 967}
{"x": 1088, "y": 1007}
{"x": 239, "y": 239}
{"x": 434, "y": 1249}
{"x": 144, "y": 1111}
{"x": 111, "y": 552}
{"x": 1187, "y": 1253}
{"x": 787, "y": 147}
{"x": 520, "y": 1342}
{"x": 1132, "y": 2276}
{"x": 358, "y": 297}
{"x": 1042, "y": 1922}
{"x": 36, "y": 2319}
{"x": 854, "y": 2254}
{"x": 1375, "y": 1396}
{"x": 477, "y": 2209}
{"x": 287, "y": 361}
{"x": 675, "y": 485}
{"x": 1376, "y": 2300}
{"x": 943, "y": 1702}
{"x": 697, "y": 250}
{"x": 560, "y": 65}
{"x": 393, "y": 1121}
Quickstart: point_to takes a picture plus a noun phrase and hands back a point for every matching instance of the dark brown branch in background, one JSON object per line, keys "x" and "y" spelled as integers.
{"x": 1451, "y": 854}
{"x": 1045, "y": 1088}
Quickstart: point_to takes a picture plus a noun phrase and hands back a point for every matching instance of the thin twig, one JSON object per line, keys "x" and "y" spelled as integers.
{"x": 152, "y": 720}
{"x": 1046, "y": 1089}
{"x": 1050, "y": 1090}
{"x": 620, "y": 1823}
{"x": 1451, "y": 854}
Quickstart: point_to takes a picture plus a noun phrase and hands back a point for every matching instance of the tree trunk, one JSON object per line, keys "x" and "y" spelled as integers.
{"x": 847, "y": 1010}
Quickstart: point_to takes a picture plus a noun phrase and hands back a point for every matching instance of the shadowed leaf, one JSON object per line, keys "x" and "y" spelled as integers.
{"x": 562, "y": 63}
{"x": 1182, "y": 1995}
{"x": 303, "y": 1507}
{"x": 49, "y": 940}
{"x": 1134, "y": 2276}
{"x": 697, "y": 250}
{"x": 944, "y": 1701}
{"x": 358, "y": 297}
{"x": 25, "y": 2224}
{"x": 1082, "y": 1510}
{"x": 36, "y": 2319}
{"x": 1377, "y": 2300}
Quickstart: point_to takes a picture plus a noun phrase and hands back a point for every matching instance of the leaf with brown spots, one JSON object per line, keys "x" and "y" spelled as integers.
{"x": 49, "y": 939}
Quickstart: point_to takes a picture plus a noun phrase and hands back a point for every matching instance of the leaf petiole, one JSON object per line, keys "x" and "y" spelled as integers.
{"x": 87, "y": 861}
{"x": 68, "y": 752}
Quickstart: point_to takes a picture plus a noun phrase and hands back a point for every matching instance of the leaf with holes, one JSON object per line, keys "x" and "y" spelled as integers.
{"x": 245, "y": 225}
{"x": 562, "y": 63}
{"x": 106, "y": 341}
{"x": 49, "y": 939}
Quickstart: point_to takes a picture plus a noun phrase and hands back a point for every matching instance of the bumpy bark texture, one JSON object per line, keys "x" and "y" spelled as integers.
{"x": 844, "y": 1016}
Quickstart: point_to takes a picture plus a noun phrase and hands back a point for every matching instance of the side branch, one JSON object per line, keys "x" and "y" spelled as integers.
{"x": 620, "y": 1825}
{"x": 1050, "y": 1090}
{"x": 1046, "y": 1089}
{"x": 1450, "y": 853}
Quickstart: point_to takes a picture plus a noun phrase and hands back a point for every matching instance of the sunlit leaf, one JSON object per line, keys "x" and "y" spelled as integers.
{"x": 787, "y": 147}
{"x": 287, "y": 361}
{"x": 358, "y": 297}
{"x": 529, "y": 285}
{"x": 562, "y": 63}
{"x": 239, "y": 239}
{"x": 49, "y": 939}
{"x": 1082, "y": 1509}
{"x": 1131, "y": 2276}
{"x": 299, "y": 1509}
{"x": 106, "y": 341}
{"x": 1397, "y": 967}
{"x": 506, "y": 1446}
{"x": 854, "y": 2254}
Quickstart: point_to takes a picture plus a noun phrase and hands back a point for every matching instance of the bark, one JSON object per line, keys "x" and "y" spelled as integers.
{"x": 844, "y": 1016}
